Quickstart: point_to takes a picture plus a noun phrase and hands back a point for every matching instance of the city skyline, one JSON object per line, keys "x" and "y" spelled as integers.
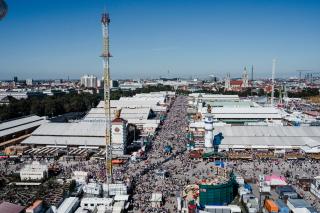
{"x": 57, "y": 39}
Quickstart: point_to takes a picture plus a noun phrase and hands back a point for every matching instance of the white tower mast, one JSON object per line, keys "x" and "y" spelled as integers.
{"x": 105, "y": 20}
{"x": 273, "y": 73}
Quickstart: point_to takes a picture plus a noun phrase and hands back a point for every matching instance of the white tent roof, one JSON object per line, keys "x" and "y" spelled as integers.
{"x": 65, "y": 140}
{"x": 71, "y": 129}
{"x": 245, "y": 112}
{"x": 20, "y": 121}
{"x": 269, "y": 136}
{"x": 21, "y": 128}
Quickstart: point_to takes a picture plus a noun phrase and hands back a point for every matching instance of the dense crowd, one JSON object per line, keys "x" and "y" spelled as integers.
{"x": 95, "y": 168}
{"x": 143, "y": 175}
{"x": 179, "y": 170}
{"x": 291, "y": 170}
{"x": 145, "y": 178}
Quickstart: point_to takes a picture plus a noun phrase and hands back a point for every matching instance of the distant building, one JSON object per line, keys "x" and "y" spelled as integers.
{"x": 11, "y": 208}
{"x": 227, "y": 82}
{"x": 139, "y": 110}
{"x": 245, "y": 78}
{"x": 99, "y": 83}
{"x": 69, "y": 205}
{"x": 15, "y": 79}
{"x": 58, "y": 81}
{"x": 89, "y": 81}
{"x": 92, "y": 203}
{"x": 315, "y": 187}
{"x": 119, "y": 136}
{"x": 5, "y": 100}
{"x": 15, "y": 94}
{"x": 29, "y": 82}
{"x": 114, "y": 84}
{"x": 130, "y": 85}
{"x": 92, "y": 189}
{"x": 34, "y": 171}
{"x": 236, "y": 84}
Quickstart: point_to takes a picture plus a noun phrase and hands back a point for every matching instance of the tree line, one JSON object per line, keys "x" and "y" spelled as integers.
{"x": 117, "y": 94}
{"x": 48, "y": 105}
{"x": 59, "y": 104}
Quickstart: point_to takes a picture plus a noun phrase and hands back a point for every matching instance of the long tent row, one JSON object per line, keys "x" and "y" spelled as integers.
{"x": 19, "y": 122}
{"x": 90, "y": 131}
{"x": 14, "y": 131}
{"x": 264, "y": 137}
{"x": 230, "y": 109}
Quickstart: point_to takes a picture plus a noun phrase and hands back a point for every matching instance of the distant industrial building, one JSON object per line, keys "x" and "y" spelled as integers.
{"x": 130, "y": 85}
{"x": 29, "y": 82}
{"x": 89, "y": 81}
{"x": 15, "y": 94}
{"x": 19, "y": 94}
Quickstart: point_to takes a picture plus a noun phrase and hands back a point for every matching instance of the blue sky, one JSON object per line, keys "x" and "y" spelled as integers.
{"x": 44, "y": 39}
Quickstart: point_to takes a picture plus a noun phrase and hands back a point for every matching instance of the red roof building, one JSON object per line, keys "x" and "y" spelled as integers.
{"x": 235, "y": 83}
{"x": 7, "y": 207}
{"x": 119, "y": 120}
{"x": 268, "y": 88}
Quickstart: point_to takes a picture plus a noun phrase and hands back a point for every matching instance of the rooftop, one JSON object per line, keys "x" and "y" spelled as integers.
{"x": 269, "y": 136}
{"x": 7, "y": 207}
{"x": 17, "y": 125}
{"x": 299, "y": 203}
{"x": 18, "y": 122}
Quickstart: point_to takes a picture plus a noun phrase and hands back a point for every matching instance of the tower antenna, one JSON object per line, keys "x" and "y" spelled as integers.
{"x": 273, "y": 73}
{"x": 105, "y": 20}
{"x": 252, "y": 73}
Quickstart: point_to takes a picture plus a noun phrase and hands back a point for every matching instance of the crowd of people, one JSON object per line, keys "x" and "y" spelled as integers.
{"x": 177, "y": 169}
{"x": 95, "y": 168}
{"x": 175, "y": 164}
{"x": 292, "y": 170}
